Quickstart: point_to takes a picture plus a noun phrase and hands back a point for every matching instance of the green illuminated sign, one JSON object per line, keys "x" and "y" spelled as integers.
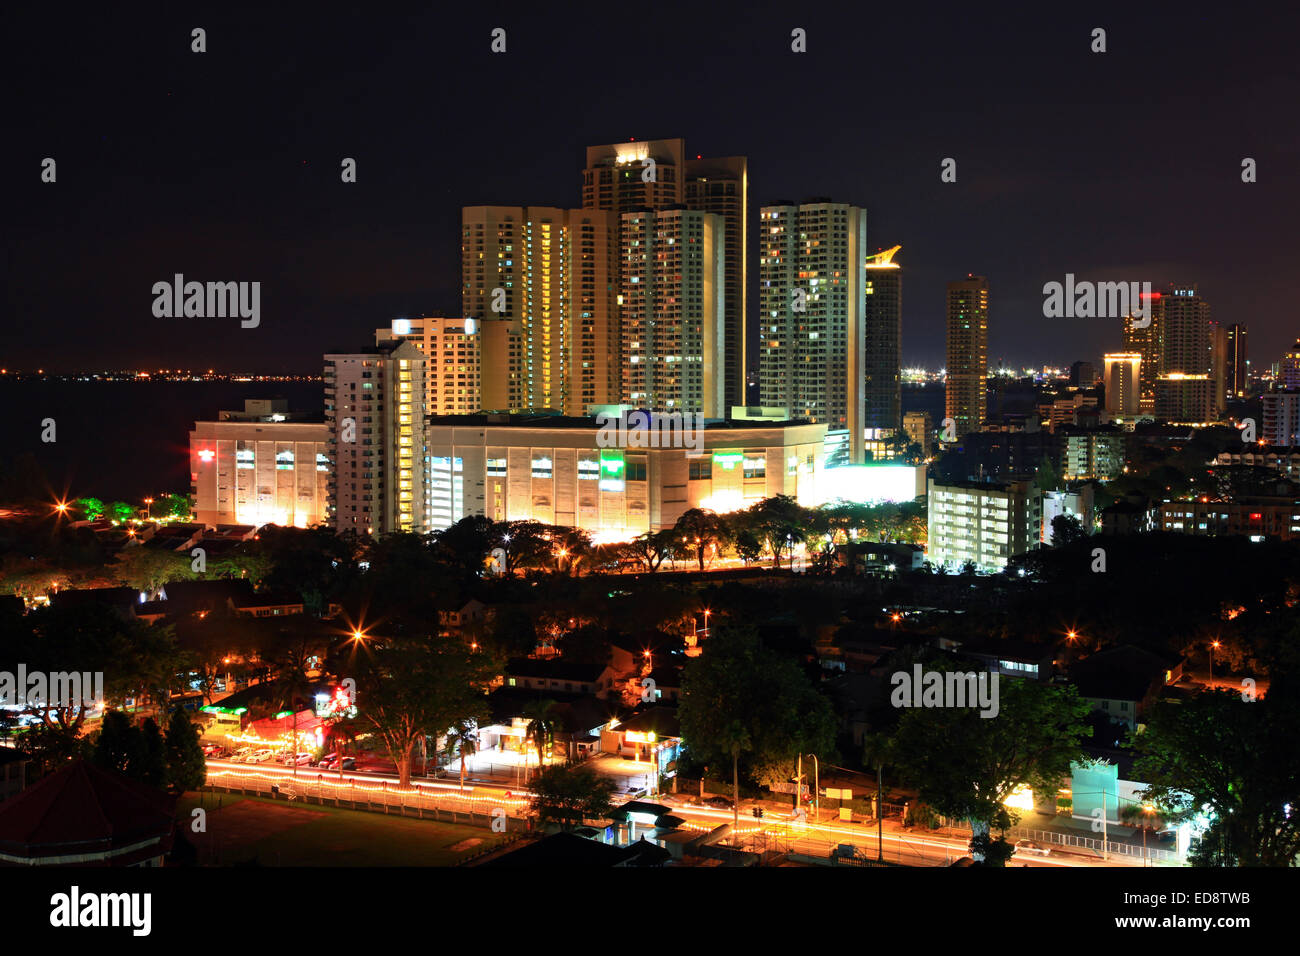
{"x": 728, "y": 459}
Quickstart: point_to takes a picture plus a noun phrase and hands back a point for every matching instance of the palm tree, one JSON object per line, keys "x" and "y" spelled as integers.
{"x": 463, "y": 740}
{"x": 877, "y": 751}
{"x": 701, "y": 529}
{"x": 735, "y": 737}
{"x": 541, "y": 718}
{"x": 294, "y": 688}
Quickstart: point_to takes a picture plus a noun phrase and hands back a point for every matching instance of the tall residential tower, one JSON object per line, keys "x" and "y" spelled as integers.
{"x": 812, "y": 292}
{"x": 968, "y": 353}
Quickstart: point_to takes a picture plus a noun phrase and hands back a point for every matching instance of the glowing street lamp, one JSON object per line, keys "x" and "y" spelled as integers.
{"x": 1214, "y": 646}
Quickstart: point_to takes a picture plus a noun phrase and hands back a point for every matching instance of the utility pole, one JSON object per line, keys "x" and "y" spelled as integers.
{"x": 798, "y": 784}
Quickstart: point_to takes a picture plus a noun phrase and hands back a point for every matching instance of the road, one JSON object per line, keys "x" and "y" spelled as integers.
{"x": 774, "y": 831}
{"x": 910, "y": 848}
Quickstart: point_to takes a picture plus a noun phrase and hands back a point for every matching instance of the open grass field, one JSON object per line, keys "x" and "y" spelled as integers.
{"x": 241, "y": 829}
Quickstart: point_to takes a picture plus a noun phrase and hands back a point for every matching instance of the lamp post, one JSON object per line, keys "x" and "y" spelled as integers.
{"x": 1147, "y": 810}
{"x": 1214, "y": 646}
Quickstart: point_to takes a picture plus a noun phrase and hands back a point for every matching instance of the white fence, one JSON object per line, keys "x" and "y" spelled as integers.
{"x": 442, "y": 803}
{"x": 1136, "y": 851}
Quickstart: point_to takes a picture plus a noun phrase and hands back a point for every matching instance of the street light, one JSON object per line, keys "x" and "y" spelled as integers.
{"x": 1147, "y": 810}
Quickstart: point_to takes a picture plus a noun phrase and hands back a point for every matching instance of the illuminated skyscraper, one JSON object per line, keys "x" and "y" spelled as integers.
{"x": 1124, "y": 383}
{"x": 672, "y": 311}
{"x": 812, "y": 292}
{"x": 542, "y": 282}
{"x": 883, "y": 395}
{"x": 1290, "y": 371}
{"x": 375, "y": 413}
{"x": 656, "y": 174}
{"x": 1144, "y": 340}
{"x": 968, "y": 353}
{"x": 452, "y": 384}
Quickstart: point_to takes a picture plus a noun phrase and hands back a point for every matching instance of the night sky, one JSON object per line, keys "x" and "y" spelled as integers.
{"x": 225, "y": 165}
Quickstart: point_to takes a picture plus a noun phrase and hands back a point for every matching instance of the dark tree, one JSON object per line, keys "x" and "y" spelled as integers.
{"x": 186, "y": 768}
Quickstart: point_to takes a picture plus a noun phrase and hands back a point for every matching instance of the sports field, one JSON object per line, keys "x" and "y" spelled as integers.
{"x": 243, "y": 829}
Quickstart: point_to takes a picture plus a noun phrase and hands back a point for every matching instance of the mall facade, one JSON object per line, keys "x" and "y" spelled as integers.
{"x": 613, "y": 483}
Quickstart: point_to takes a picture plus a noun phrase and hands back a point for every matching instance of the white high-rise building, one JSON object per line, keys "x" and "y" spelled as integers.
{"x": 812, "y": 292}
{"x": 375, "y": 412}
{"x": 673, "y": 331}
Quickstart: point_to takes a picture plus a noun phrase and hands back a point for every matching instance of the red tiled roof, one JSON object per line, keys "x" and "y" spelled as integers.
{"x": 83, "y": 809}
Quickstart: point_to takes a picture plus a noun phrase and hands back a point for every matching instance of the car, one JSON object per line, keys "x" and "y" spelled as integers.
{"x": 303, "y": 759}
{"x": 242, "y": 754}
{"x": 261, "y": 756}
{"x": 1029, "y": 846}
{"x": 722, "y": 803}
{"x": 332, "y": 762}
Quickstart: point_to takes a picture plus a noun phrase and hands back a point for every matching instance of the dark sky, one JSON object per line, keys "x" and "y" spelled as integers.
{"x": 225, "y": 165}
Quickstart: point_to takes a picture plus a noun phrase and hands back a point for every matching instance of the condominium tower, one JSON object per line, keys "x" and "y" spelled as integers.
{"x": 672, "y": 311}
{"x": 968, "y": 353}
{"x": 812, "y": 291}
{"x": 375, "y": 413}
{"x": 543, "y": 282}
{"x": 653, "y": 174}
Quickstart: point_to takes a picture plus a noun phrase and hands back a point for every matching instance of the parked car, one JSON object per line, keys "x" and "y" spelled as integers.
{"x": 261, "y": 756}
{"x": 242, "y": 754}
{"x": 1029, "y": 846}
{"x": 349, "y": 763}
{"x": 722, "y": 803}
{"x": 304, "y": 758}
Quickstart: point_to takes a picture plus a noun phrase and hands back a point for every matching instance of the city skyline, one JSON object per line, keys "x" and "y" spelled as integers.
{"x": 387, "y": 246}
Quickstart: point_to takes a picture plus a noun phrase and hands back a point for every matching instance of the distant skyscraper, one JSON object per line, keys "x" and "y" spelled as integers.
{"x": 968, "y": 353}
{"x": 1144, "y": 340}
{"x": 1290, "y": 371}
{"x": 1082, "y": 375}
{"x": 374, "y": 407}
{"x": 1281, "y": 418}
{"x": 882, "y": 355}
{"x": 1186, "y": 336}
{"x": 655, "y": 174}
{"x": 1239, "y": 369}
{"x": 919, "y": 426}
{"x": 626, "y": 177}
{"x": 452, "y": 383}
{"x": 543, "y": 282}
{"x": 812, "y": 281}
{"x": 1124, "y": 383}
{"x": 674, "y": 266}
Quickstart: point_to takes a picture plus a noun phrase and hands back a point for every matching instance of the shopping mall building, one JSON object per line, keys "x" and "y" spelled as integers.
{"x": 617, "y": 483}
